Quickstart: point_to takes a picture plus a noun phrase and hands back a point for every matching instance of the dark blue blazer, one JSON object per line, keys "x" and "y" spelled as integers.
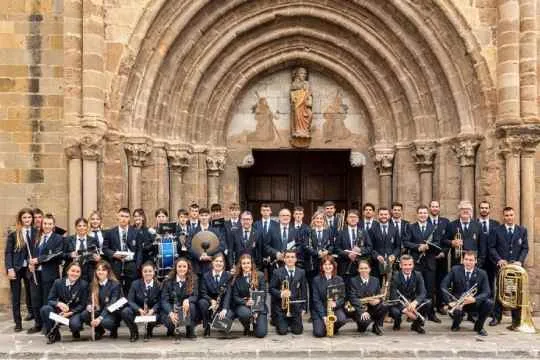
{"x": 298, "y": 287}
{"x": 108, "y": 295}
{"x": 415, "y": 239}
{"x": 88, "y": 264}
{"x": 111, "y": 244}
{"x": 274, "y": 244}
{"x": 76, "y": 297}
{"x": 14, "y": 258}
{"x": 229, "y": 236}
{"x": 254, "y": 246}
{"x": 440, "y": 232}
{"x": 343, "y": 242}
{"x": 138, "y": 296}
{"x": 240, "y": 291}
{"x": 319, "y": 290}
{"x": 273, "y": 225}
{"x": 172, "y": 293}
{"x": 357, "y": 290}
{"x": 385, "y": 245}
{"x": 203, "y": 266}
{"x": 514, "y": 249}
{"x": 49, "y": 266}
{"x": 455, "y": 282}
{"x": 312, "y": 246}
{"x": 473, "y": 239}
{"x": 414, "y": 289}
{"x": 210, "y": 290}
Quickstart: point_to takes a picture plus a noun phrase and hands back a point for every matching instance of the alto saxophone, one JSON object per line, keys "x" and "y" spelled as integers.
{"x": 330, "y": 319}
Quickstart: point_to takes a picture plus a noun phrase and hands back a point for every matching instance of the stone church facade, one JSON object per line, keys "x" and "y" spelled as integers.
{"x": 160, "y": 103}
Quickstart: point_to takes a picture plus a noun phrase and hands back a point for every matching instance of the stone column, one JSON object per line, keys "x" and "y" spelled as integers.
{"x": 384, "y": 158}
{"x": 179, "y": 159}
{"x": 215, "y": 165}
{"x": 424, "y": 153}
{"x": 510, "y": 149}
{"x": 137, "y": 150}
{"x": 465, "y": 149}
{"x": 528, "y": 60}
{"x": 75, "y": 203}
{"x": 91, "y": 149}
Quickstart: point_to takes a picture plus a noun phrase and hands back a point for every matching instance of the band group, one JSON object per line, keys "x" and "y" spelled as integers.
{"x": 340, "y": 267}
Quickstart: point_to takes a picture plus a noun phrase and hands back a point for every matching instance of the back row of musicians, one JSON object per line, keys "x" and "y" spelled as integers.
{"x": 384, "y": 265}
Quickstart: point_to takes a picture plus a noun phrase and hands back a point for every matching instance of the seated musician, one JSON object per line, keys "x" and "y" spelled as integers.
{"x": 366, "y": 311}
{"x": 105, "y": 290}
{"x": 295, "y": 291}
{"x": 143, "y": 300}
{"x": 179, "y": 295}
{"x": 408, "y": 290}
{"x": 214, "y": 286}
{"x": 67, "y": 298}
{"x": 240, "y": 303}
{"x": 456, "y": 288}
{"x": 82, "y": 249}
{"x": 321, "y": 303}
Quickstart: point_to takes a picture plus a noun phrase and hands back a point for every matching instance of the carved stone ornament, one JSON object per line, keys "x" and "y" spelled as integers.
{"x": 179, "y": 157}
{"x": 72, "y": 148}
{"x": 91, "y": 147}
{"x": 465, "y": 149}
{"x": 424, "y": 153}
{"x": 215, "y": 161}
{"x": 137, "y": 151}
{"x": 357, "y": 159}
{"x": 248, "y": 161}
{"x": 383, "y": 160}
{"x": 516, "y": 140}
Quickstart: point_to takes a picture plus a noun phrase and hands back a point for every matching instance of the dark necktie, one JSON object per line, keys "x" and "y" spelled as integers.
{"x": 319, "y": 236}
{"x": 384, "y": 230}
{"x": 124, "y": 240}
{"x": 216, "y": 278}
{"x": 468, "y": 279}
{"x": 291, "y": 275}
{"x": 353, "y": 238}
{"x": 368, "y": 225}
{"x": 246, "y": 236}
{"x": 28, "y": 238}
{"x": 265, "y": 226}
{"x": 284, "y": 235}
{"x": 43, "y": 244}
{"x": 466, "y": 226}
{"x": 484, "y": 227}
{"x": 423, "y": 229}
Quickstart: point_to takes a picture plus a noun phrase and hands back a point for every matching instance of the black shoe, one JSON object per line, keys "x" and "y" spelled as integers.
{"x": 443, "y": 311}
{"x": 419, "y": 329}
{"x": 17, "y": 328}
{"x": 376, "y": 330}
{"x": 170, "y": 333}
{"x": 455, "y": 328}
{"x": 471, "y": 318}
{"x": 114, "y": 334}
{"x": 207, "y": 331}
{"x": 29, "y": 317}
{"x": 190, "y": 333}
{"x": 512, "y": 327}
{"x": 34, "y": 329}
{"x": 397, "y": 325}
{"x": 150, "y": 332}
{"x": 76, "y": 335}
{"x": 494, "y": 322}
{"x": 54, "y": 337}
{"x": 435, "y": 319}
{"x": 133, "y": 335}
{"x": 99, "y": 332}
{"x": 482, "y": 332}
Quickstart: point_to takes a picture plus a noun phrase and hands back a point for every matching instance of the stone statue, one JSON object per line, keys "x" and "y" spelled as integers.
{"x": 301, "y": 103}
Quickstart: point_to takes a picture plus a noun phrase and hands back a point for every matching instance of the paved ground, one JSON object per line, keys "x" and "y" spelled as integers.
{"x": 438, "y": 343}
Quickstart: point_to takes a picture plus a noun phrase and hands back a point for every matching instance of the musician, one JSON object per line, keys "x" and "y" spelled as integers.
{"x": 217, "y": 221}
{"x": 45, "y": 262}
{"x": 265, "y": 225}
{"x": 328, "y": 276}
{"x": 143, "y": 300}
{"x": 68, "y": 298}
{"x": 182, "y": 234}
{"x": 38, "y": 218}
{"x": 425, "y": 255}
{"x": 17, "y": 258}
{"x": 214, "y": 286}
{"x": 352, "y": 244}
{"x": 105, "y": 290}
{"x": 245, "y": 280}
{"x": 489, "y": 226}
{"x": 248, "y": 240}
{"x": 508, "y": 245}
{"x": 280, "y": 238}
{"x": 179, "y": 295}
{"x": 193, "y": 218}
{"x": 439, "y": 235}
{"x": 364, "y": 286}
{"x": 410, "y": 284}
{"x": 295, "y": 292}
{"x": 369, "y": 216}
{"x": 95, "y": 222}
{"x": 202, "y": 264}
{"x": 330, "y": 218}
{"x": 231, "y": 226}
{"x": 146, "y": 234}
{"x": 122, "y": 246}
{"x": 399, "y": 223}
{"x": 300, "y": 233}
{"x": 386, "y": 244}
{"x": 82, "y": 249}
{"x": 460, "y": 280}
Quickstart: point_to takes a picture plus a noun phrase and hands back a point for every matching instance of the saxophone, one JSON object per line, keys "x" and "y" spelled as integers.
{"x": 330, "y": 319}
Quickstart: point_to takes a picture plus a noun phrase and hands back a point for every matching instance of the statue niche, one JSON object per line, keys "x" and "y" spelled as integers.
{"x": 301, "y": 108}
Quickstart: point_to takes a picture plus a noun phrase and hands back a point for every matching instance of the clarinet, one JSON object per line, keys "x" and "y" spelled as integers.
{"x": 34, "y": 277}
{"x": 145, "y": 307}
{"x": 50, "y": 334}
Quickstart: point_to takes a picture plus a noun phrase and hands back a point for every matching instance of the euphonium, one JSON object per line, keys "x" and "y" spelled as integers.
{"x": 286, "y": 300}
{"x": 513, "y": 292}
{"x": 330, "y": 319}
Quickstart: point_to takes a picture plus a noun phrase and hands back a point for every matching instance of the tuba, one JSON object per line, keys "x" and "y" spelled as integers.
{"x": 513, "y": 292}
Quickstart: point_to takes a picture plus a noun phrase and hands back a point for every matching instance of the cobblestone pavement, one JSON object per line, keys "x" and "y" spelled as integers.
{"x": 438, "y": 343}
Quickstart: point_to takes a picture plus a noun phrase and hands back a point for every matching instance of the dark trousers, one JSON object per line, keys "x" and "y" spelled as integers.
{"x": 319, "y": 327}
{"x": 482, "y": 308}
{"x": 441, "y": 271}
{"x": 111, "y": 321}
{"x": 204, "y": 312}
{"x": 190, "y": 321}
{"x": 491, "y": 270}
{"x": 243, "y": 313}
{"x": 429, "y": 281}
{"x": 396, "y": 311}
{"x": 283, "y": 323}
{"x": 75, "y": 322}
{"x": 309, "y": 277}
{"x": 39, "y": 296}
{"x": 376, "y": 314}
{"x": 126, "y": 273}
{"x": 498, "y": 308}
{"x": 16, "y": 287}
{"x": 128, "y": 315}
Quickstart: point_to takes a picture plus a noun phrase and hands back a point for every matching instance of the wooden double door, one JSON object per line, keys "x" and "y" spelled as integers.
{"x": 307, "y": 178}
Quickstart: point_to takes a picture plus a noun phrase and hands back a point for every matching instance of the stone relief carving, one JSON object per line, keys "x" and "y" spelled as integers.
{"x": 357, "y": 159}
{"x": 465, "y": 149}
{"x": 265, "y": 129}
{"x": 138, "y": 151}
{"x": 383, "y": 160}
{"x": 424, "y": 153}
{"x": 215, "y": 161}
{"x": 334, "y": 128}
{"x": 91, "y": 146}
{"x": 301, "y": 104}
{"x": 179, "y": 157}
{"x": 248, "y": 161}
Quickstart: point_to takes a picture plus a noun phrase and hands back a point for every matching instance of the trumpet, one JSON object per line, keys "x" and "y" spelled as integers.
{"x": 458, "y": 303}
{"x": 406, "y": 303}
{"x": 286, "y": 300}
{"x": 364, "y": 301}
{"x": 458, "y": 253}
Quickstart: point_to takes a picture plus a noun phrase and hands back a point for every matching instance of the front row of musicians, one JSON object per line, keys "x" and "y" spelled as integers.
{"x": 183, "y": 301}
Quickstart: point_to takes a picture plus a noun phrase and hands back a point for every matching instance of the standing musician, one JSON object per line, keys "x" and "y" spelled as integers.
{"x": 182, "y": 234}
{"x": 280, "y": 238}
{"x": 17, "y": 259}
{"x": 248, "y": 240}
{"x": 330, "y": 218}
{"x": 105, "y": 290}
{"x": 300, "y": 234}
{"x": 266, "y": 224}
{"x": 143, "y": 300}
{"x": 94, "y": 221}
{"x": 361, "y": 288}
{"x": 179, "y": 295}
{"x": 193, "y": 218}
{"x": 352, "y": 244}
{"x": 489, "y": 226}
{"x": 202, "y": 264}
{"x": 408, "y": 290}
{"x": 386, "y": 244}
{"x": 38, "y": 217}
{"x": 425, "y": 255}
{"x": 82, "y": 249}
{"x": 288, "y": 291}
{"x": 456, "y": 287}
{"x": 369, "y": 216}
{"x": 231, "y": 226}
{"x": 399, "y": 223}
{"x": 214, "y": 286}
{"x": 509, "y": 245}
{"x": 321, "y": 303}
{"x": 45, "y": 262}
{"x": 247, "y": 279}
{"x": 67, "y": 298}
{"x": 145, "y": 234}
{"x": 439, "y": 236}
{"x": 122, "y": 246}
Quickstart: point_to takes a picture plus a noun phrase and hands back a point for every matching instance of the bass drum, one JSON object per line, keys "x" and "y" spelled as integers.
{"x": 166, "y": 255}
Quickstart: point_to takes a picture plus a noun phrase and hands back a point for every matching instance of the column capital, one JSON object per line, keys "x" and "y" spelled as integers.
{"x": 465, "y": 147}
{"x": 91, "y": 147}
{"x": 137, "y": 150}
{"x": 518, "y": 139}
{"x": 383, "y": 159}
{"x": 424, "y": 152}
{"x": 179, "y": 156}
{"x": 215, "y": 161}
{"x": 72, "y": 148}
